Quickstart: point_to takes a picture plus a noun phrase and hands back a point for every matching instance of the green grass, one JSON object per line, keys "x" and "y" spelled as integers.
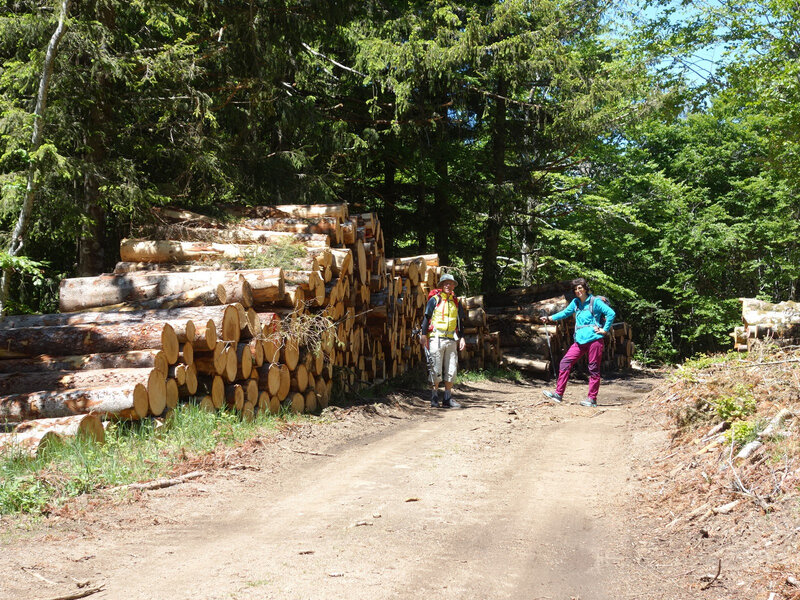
{"x": 490, "y": 374}
{"x": 134, "y": 451}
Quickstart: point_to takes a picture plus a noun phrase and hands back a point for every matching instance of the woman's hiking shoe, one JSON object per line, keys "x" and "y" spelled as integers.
{"x": 554, "y": 396}
{"x": 589, "y": 402}
{"x": 434, "y": 399}
{"x": 450, "y": 403}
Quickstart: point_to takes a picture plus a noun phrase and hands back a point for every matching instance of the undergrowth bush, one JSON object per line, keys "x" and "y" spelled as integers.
{"x": 735, "y": 406}
{"x": 742, "y": 433}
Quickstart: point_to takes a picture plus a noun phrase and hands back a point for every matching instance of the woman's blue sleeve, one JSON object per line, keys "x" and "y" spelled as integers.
{"x": 571, "y": 307}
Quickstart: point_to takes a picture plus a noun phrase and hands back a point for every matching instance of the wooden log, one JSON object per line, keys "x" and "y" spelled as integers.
{"x": 285, "y": 383}
{"x": 31, "y": 444}
{"x": 234, "y": 396}
{"x": 19, "y": 383}
{"x": 269, "y": 378}
{"x": 32, "y": 436}
{"x": 310, "y": 211}
{"x": 215, "y": 387}
{"x": 156, "y": 393}
{"x": 251, "y": 391}
{"x": 475, "y": 317}
{"x": 81, "y": 293}
{"x": 539, "y": 367}
{"x": 295, "y": 403}
{"x": 244, "y": 235}
{"x": 342, "y": 263}
{"x": 244, "y": 361}
{"x": 185, "y": 218}
{"x": 88, "y": 426}
{"x": 230, "y": 363}
{"x": 89, "y": 339}
{"x": 166, "y": 251}
{"x": 206, "y": 404}
{"x": 172, "y": 394}
{"x": 125, "y": 360}
{"x": 237, "y": 290}
{"x": 291, "y": 353}
{"x": 191, "y": 385}
{"x": 331, "y": 226}
{"x": 310, "y": 401}
{"x": 299, "y": 381}
{"x": 129, "y": 401}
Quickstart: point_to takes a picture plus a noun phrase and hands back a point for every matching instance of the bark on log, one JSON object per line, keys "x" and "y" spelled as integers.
{"x": 241, "y": 235}
{"x": 22, "y": 383}
{"x": 296, "y": 403}
{"x": 238, "y": 290}
{"x": 540, "y": 367}
{"x": 166, "y": 251}
{"x": 331, "y": 226}
{"x": 778, "y": 316}
{"x": 32, "y": 436}
{"x": 89, "y": 339}
{"x": 128, "y": 401}
{"x": 310, "y": 211}
{"x": 126, "y": 360}
{"x": 173, "y": 289}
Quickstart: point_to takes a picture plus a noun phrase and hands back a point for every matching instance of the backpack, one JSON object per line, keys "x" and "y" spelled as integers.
{"x": 601, "y": 318}
{"x": 438, "y": 293}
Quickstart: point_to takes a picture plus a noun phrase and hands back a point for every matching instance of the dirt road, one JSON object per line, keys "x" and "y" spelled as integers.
{"x": 510, "y": 497}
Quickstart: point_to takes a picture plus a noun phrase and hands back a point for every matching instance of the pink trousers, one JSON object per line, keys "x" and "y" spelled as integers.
{"x": 573, "y": 355}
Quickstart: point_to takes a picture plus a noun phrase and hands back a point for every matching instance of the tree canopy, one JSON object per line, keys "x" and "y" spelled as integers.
{"x": 524, "y": 140}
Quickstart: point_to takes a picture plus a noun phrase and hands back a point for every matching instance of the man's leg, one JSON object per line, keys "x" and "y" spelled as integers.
{"x": 435, "y": 368}
{"x": 450, "y": 367}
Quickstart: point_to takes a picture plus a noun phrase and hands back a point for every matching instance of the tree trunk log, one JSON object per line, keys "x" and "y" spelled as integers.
{"x": 166, "y": 251}
{"x": 126, "y": 360}
{"x": 32, "y": 436}
{"x": 150, "y": 289}
{"x": 246, "y": 235}
{"x": 128, "y": 401}
{"x": 20, "y": 383}
{"x": 89, "y": 339}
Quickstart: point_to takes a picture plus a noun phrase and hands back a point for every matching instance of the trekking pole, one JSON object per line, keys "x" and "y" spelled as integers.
{"x": 550, "y": 349}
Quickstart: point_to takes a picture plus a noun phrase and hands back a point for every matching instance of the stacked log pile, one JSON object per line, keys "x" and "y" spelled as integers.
{"x": 264, "y": 309}
{"x": 778, "y": 324}
{"x": 529, "y": 345}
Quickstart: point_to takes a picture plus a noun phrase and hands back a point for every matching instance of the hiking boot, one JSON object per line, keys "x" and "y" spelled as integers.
{"x": 589, "y": 402}
{"x": 554, "y": 396}
{"x": 434, "y": 399}
{"x": 450, "y": 403}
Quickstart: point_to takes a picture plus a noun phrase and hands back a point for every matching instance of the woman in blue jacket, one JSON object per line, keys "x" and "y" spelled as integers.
{"x": 589, "y": 338}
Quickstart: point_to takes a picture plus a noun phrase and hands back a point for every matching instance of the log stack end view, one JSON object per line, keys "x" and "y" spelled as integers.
{"x": 269, "y": 308}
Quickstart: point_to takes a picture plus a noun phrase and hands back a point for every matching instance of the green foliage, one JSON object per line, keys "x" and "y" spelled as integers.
{"x": 659, "y": 351}
{"x": 282, "y": 254}
{"x": 742, "y": 433}
{"x": 735, "y": 406}
{"x": 133, "y": 452}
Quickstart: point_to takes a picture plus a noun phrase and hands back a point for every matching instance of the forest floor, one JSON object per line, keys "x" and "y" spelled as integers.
{"x": 510, "y": 497}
